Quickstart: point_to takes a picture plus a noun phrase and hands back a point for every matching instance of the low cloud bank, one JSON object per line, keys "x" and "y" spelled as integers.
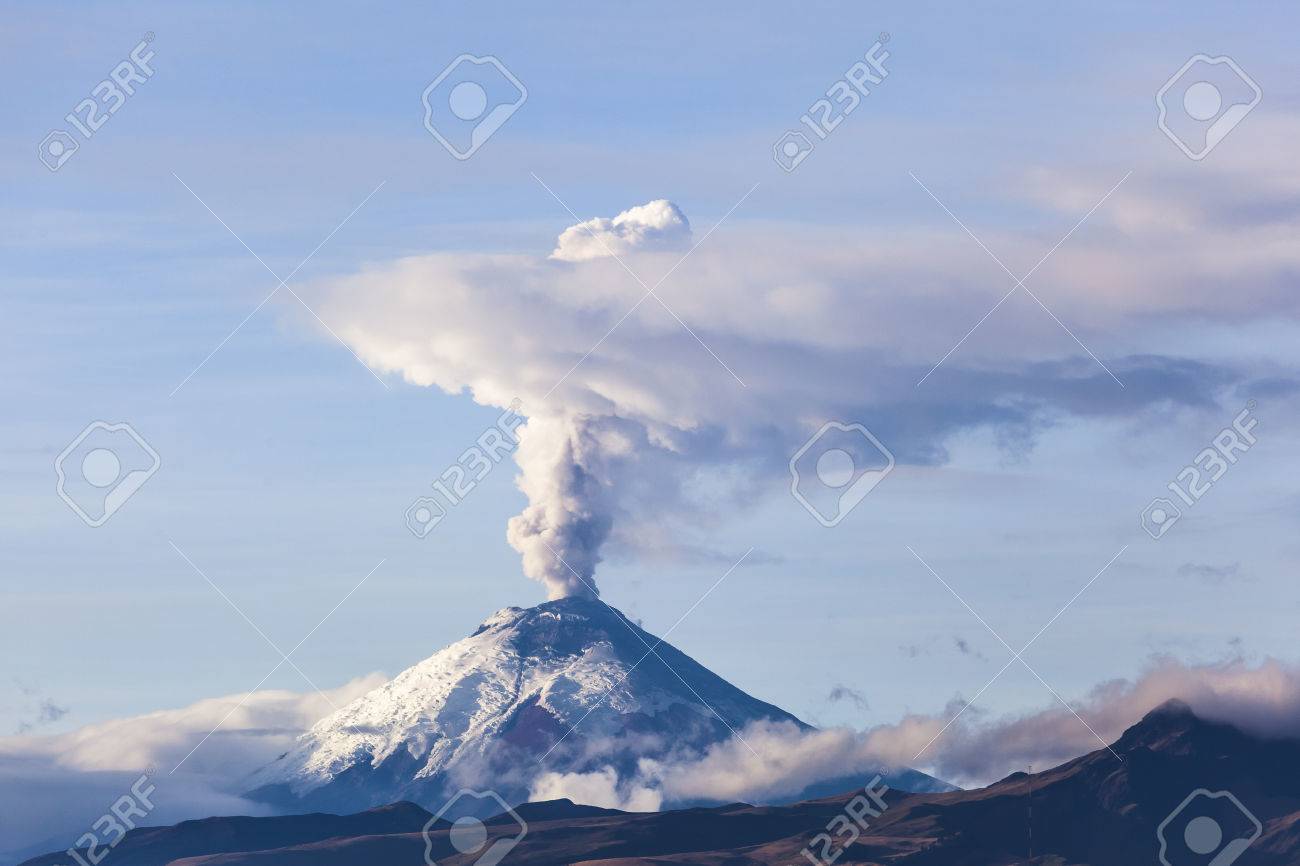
{"x": 52, "y": 788}
{"x": 768, "y": 762}
{"x": 1262, "y": 699}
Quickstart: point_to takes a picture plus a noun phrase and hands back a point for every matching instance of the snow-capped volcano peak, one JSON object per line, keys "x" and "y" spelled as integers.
{"x": 572, "y": 681}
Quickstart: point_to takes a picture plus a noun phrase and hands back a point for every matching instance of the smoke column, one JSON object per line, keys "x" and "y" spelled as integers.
{"x": 638, "y": 436}
{"x": 569, "y": 514}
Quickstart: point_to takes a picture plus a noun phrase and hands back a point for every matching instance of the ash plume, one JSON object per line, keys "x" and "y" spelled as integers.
{"x": 652, "y": 415}
{"x": 568, "y": 517}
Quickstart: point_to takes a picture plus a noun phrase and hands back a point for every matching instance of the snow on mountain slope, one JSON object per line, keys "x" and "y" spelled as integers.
{"x": 504, "y": 701}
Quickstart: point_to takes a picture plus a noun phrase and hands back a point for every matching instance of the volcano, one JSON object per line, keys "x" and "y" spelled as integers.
{"x": 1131, "y": 803}
{"x": 571, "y": 685}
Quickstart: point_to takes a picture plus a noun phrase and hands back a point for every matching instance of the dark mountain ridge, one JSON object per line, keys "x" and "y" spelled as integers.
{"x": 1101, "y": 809}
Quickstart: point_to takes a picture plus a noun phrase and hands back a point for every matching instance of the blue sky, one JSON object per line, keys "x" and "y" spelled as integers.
{"x": 286, "y": 466}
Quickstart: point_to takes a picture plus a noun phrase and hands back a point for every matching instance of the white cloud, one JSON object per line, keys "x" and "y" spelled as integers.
{"x": 659, "y": 224}
{"x": 55, "y": 786}
{"x": 1261, "y": 699}
{"x": 600, "y": 788}
{"x": 628, "y": 401}
{"x": 769, "y": 761}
